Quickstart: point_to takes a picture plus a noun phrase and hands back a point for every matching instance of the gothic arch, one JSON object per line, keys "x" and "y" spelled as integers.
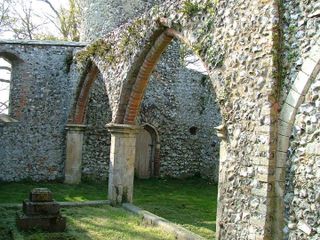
{"x": 238, "y": 67}
{"x": 82, "y": 95}
{"x": 145, "y": 71}
{"x": 309, "y": 71}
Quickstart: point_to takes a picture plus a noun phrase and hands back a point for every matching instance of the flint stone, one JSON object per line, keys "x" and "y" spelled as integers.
{"x": 304, "y": 228}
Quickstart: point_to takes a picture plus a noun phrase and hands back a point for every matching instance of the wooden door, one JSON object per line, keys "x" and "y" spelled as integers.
{"x": 143, "y": 154}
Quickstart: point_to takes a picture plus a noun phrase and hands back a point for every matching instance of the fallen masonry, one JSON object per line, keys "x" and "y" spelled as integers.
{"x": 42, "y": 212}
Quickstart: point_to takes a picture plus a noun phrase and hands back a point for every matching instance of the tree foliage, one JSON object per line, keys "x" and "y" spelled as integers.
{"x": 66, "y": 20}
{"x": 4, "y": 14}
{"x": 20, "y": 19}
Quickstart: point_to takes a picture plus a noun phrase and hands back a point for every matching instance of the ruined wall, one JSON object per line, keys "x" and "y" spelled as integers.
{"x": 40, "y": 99}
{"x": 300, "y": 27}
{"x": 238, "y": 43}
{"x": 301, "y": 33}
{"x": 101, "y": 17}
{"x": 96, "y": 147}
{"x": 177, "y": 99}
{"x": 302, "y": 197}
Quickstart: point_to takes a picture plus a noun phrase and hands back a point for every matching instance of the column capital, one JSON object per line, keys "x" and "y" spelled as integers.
{"x": 123, "y": 129}
{"x": 75, "y": 127}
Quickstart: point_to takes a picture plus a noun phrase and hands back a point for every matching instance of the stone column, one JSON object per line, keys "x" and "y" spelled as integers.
{"x": 72, "y": 169}
{"x": 122, "y": 157}
{"x": 222, "y": 135}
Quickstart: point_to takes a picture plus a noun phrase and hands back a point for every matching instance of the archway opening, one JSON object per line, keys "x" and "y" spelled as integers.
{"x": 87, "y": 156}
{"x": 180, "y": 102}
{"x": 96, "y": 148}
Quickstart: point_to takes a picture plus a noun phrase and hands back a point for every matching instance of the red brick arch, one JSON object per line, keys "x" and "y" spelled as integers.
{"x": 141, "y": 82}
{"x": 82, "y": 96}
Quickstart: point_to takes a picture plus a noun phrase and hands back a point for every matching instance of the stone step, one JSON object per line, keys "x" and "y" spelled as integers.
{"x": 40, "y": 208}
{"x": 45, "y": 223}
{"x": 41, "y": 195}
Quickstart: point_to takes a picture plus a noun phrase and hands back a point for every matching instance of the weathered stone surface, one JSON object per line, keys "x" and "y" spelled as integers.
{"x": 173, "y": 93}
{"x": 40, "y": 212}
{"x": 236, "y": 58}
{"x": 302, "y": 182}
{"x": 41, "y": 97}
{"x": 239, "y": 42}
{"x": 42, "y": 208}
{"x": 45, "y": 223}
{"x": 40, "y": 195}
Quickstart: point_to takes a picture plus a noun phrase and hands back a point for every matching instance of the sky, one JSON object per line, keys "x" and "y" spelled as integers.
{"x": 41, "y": 9}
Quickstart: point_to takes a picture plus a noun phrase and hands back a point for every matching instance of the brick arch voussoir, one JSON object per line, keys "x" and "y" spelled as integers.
{"x": 82, "y": 95}
{"x": 149, "y": 63}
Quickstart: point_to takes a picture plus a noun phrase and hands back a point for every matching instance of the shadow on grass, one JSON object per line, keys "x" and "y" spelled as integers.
{"x": 86, "y": 223}
{"x": 191, "y": 203}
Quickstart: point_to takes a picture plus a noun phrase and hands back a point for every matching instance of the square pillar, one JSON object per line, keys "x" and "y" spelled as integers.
{"x": 72, "y": 169}
{"x": 122, "y": 158}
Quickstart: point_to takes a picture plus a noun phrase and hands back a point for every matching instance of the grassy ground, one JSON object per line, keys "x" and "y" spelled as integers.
{"x": 87, "y": 223}
{"x": 16, "y": 192}
{"x": 190, "y": 203}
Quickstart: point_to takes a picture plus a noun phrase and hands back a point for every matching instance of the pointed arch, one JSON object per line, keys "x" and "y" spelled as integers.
{"x": 306, "y": 76}
{"x": 82, "y": 95}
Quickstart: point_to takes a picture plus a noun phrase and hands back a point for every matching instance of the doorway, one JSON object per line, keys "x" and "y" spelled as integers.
{"x": 146, "y": 163}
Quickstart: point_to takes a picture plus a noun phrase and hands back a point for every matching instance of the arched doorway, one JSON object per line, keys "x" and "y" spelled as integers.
{"x": 147, "y": 149}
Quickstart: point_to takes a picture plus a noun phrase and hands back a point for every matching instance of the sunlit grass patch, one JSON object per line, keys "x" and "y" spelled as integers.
{"x": 88, "y": 223}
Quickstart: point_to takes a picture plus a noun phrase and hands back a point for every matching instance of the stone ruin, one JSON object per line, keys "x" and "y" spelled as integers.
{"x": 264, "y": 66}
{"x": 42, "y": 212}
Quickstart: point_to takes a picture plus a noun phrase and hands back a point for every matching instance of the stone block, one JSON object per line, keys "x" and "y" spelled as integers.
{"x": 40, "y": 208}
{"x": 314, "y": 53}
{"x": 283, "y": 143}
{"x": 285, "y": 129}
{"x": 294, "y": 99}
{"x": 313, "y": 149}
{"x": 287, "y": 113}
{"x": 309, "y": 66}
{"x": 45, "y": 223}
{"x": 301, "y": 82}
{"x": 41, "y": 195}
{"x": 281, "y": 159}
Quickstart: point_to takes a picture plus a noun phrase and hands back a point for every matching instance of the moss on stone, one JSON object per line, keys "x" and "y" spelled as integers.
{"x": 132, "y": 35}
{"x": 99, "y": 48}
{"x": 191, "y": 9}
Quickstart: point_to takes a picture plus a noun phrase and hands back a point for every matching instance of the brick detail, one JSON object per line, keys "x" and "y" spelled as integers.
{"x": 144, "y": 74}
{"x": 83, "y": 96}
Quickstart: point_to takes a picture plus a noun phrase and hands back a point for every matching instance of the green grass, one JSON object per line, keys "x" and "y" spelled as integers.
{"x": 17, "y": 192}
{"x": 190, "y": 203}
{"x": 87, "y": 223}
